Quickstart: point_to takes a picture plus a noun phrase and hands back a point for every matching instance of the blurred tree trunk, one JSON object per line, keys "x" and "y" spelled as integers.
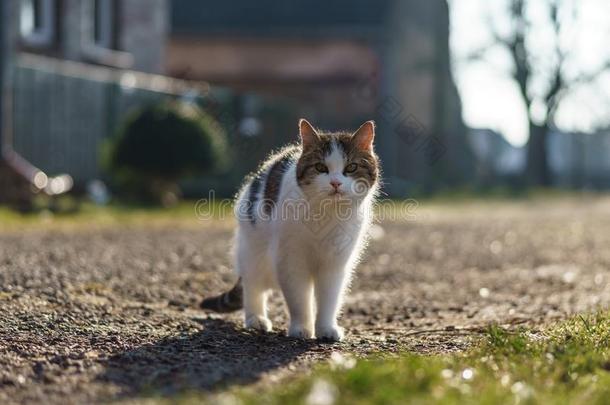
{"x": 524, "y": 72}
{"x": 537, "y": 170}
{"x": 455, "y": 167}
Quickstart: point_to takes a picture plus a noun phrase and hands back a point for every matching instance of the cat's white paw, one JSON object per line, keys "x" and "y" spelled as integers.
{"x": 300, "y": 332}
{"x": 330, "y": 333}
{"x": 259, "y": 323}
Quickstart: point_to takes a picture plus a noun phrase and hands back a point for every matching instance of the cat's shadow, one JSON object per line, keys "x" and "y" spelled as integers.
{"x": 219, "y": 355}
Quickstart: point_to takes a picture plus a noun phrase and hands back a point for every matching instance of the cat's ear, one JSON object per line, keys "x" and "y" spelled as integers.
{"x": 364, "y": 136}
{"x": 309, "y": 136}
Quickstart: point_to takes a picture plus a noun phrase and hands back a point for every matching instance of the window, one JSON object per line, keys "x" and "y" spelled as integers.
{"x": 101, "y": 34}
{"x": 104, "y": 23}
{"x": 37, "y": 22}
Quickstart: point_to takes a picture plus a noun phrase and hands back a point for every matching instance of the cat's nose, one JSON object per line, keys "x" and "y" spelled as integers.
{"x": 336, "y": 184}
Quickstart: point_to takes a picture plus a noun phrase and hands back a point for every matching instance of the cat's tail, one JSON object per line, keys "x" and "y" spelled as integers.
{"x": 232, "y": 300}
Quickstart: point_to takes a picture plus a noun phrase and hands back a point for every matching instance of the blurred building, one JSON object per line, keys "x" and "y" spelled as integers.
{"x": 128, "y": 34}
{"x": 79, "y": 65}
{"x": 13, "y": 187}
{"x": 579, "y": 160}
{"x": 344, "y": 62}
{"x": 496, "y": 158}
{"x": 76, "y": 66}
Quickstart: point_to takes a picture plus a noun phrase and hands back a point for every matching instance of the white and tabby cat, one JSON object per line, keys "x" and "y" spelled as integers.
{"x": 303, "y": 220}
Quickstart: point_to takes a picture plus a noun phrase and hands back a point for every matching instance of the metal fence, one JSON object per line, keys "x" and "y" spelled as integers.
{"x": 63, "y": 111}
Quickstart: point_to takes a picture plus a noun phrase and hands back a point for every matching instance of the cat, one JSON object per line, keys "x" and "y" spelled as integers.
{"x": 303, "y": 219}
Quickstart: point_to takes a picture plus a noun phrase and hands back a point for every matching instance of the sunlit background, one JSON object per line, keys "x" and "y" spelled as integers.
{"x": 490, "y": 96}
{"x": 158, "y": 100}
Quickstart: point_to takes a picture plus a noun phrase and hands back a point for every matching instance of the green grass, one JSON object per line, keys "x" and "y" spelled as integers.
{"x": 89, "y": 215}
{"x": 191, "y": 212}
{"x": 568, "y": 363}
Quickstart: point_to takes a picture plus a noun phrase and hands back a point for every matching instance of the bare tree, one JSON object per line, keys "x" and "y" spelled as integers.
{"x": 526, "y": 69}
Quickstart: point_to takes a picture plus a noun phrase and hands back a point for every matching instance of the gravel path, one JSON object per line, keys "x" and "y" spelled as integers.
{"x": 97, "y": 315}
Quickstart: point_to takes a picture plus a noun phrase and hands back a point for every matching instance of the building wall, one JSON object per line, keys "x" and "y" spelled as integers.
{"x": 423, "y": 137}
{"x": 7, "y": 47}
{"x": 71, "y": 27}
{"x": 142, "y": 32}
{"x": 323, "y": 74}
{"x": 3, "y": 63}
{"x": 14, "y": 189}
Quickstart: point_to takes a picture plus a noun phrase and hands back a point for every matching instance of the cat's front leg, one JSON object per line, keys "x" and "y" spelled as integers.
{"x": 255, "y": 306}
{"x": 297, "y": 287}
{"x": 329, "y": 289}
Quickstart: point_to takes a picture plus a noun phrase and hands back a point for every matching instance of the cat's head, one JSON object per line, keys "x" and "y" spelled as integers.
{"x": 337, "y": 165}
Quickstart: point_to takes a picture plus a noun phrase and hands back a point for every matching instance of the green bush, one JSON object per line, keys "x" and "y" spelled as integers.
{"x": 158, "y": 145}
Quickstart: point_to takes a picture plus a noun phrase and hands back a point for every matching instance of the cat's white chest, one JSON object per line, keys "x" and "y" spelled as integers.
{"x": 331, "y": 240}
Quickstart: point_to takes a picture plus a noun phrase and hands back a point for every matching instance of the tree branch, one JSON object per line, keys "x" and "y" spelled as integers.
{"x": 557, "y": 82}
{"x": 586, "y": 78}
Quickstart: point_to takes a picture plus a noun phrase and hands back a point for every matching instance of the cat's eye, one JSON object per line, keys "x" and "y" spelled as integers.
{"x": 321, "y": 167}
{"x": 351, "y": 168}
